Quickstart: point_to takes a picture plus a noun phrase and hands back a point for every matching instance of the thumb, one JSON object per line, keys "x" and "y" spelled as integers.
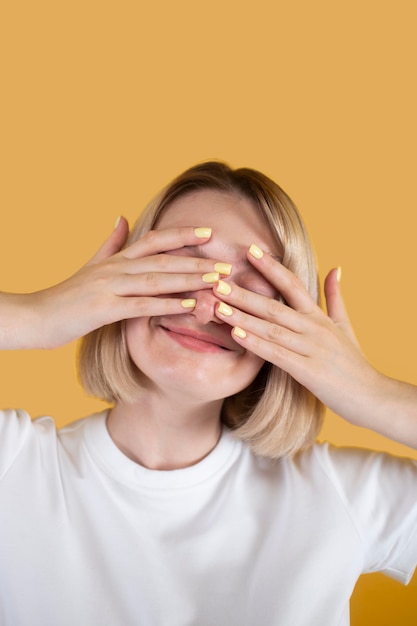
{"x": 336, "y": 309}
{"x": 114, "y": 243}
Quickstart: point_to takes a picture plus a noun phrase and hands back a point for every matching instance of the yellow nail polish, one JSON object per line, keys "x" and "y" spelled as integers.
{"x": 189, "y": 303}
{"x": 223, "y": 288}
{"x": 223, "y": 268}
{"x": 225, "y": 309}
{"x": 211, "y": 277}
{"x": 117, "y": 222}
{"x": 339, "y": 274}
{"x": 202, "y": 233}
{"x": 255, "y": 251}
{"x": 239, "y": 332}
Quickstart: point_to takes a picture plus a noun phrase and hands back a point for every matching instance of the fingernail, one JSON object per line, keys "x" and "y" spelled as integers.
{"x": 255, "y": 251}
{"x": 211, "y": 277}
{"x": 189, "y": 303}
{"x": 225, "y": 309}
{"x": 117, "y": 222}
{"x": 339, "y": 274}
{"x": 223, "y": 288}
{"x": 239, "y": 332}
{"x": 202, "y": 233}
{"x": 223, "y": 268}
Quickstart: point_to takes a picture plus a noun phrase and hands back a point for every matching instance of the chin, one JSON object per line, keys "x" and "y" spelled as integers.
{"x": 203, "y": 383}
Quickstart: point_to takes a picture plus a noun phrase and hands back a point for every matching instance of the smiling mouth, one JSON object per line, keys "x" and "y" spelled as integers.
{"x": 193, "y": 340}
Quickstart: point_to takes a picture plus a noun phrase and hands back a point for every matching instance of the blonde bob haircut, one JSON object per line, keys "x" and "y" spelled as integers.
{"x": 275, "y": 415}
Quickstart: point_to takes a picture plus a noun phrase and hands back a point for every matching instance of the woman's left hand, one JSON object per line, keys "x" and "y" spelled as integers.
{"x": 320, "y": 351}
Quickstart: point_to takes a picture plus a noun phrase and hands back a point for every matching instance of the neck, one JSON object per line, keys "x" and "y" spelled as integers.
{"x": 161, "y": 433}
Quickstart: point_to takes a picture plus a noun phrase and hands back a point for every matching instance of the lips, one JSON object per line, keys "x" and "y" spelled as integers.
{"x": 198, "y": 340}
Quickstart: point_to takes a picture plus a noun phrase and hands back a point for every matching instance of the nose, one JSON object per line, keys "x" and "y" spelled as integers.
{"x": 204, "y": 310}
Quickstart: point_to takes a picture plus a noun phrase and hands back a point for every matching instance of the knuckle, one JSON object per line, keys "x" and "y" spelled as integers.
{"x": 201, "y": 265}
{"x": 275, "y": 332}
{"x": 244, "y": 297}
{"x": 190, "y": 281}
{"x": 162, "y": 261}
{"x": 149, "y": 240}
{"x": 293, "y": 282}
{"x": 280, "y": 354}
{"x": 151, "y": 280}
{"x": 273, "y": 308}
{"x": 136, "y": 307}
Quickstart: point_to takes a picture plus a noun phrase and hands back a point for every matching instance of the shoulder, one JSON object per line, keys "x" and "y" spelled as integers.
{"x": 355, "y": 473}
{"x": 362, "y": 480}
{"x": 14, "y": 423}
{"x": 17, "y": 427}
{"x": 353, "y": 469}
{"x": 377, "y": 488}
{"x": 18, "y": 433}
{"x": 379, "y": 491}
{"x": 31, "y": 440}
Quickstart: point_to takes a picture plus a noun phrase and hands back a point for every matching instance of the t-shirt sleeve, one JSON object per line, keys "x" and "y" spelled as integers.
{"x": 15, "y": 431}
{"x": 380, "y": 493}
{"x": 29, "y": 444}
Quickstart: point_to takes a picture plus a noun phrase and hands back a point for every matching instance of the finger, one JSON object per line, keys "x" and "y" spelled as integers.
{"x": 334, "y": 302}
{"x": 282, "y": 357}
{"x": 172, "y": 264}
{"x": 260, "y": 306}
{"x": 288, "y": 285}
{"x": 132, "y": 307}
{"x": 158, "y": 283}
{"x": 114, "y": 243}
{"x": 335, "y": 305}
{"x": 273, "y": 334}
{"x": 157, "y": 241}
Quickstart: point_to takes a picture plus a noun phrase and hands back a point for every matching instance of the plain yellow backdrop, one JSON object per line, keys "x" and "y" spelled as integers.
{"x": 104, "y": 102}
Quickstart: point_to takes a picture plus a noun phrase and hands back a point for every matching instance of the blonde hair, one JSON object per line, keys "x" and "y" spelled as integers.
{"x": 275, "y": 414}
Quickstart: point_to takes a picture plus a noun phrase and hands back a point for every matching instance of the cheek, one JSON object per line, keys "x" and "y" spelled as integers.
{"x": 240, "y": 376}
{"x": 136, "y": 332}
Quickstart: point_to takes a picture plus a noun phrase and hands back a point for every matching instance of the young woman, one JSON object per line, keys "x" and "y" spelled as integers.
{"x": 199, "y": 497}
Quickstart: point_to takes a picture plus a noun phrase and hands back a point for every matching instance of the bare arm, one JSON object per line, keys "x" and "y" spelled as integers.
{"x": 321, "y": 352}
{"x": 115, "y": 284}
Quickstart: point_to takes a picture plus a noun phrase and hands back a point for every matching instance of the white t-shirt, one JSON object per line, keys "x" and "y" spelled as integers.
{"x": 90, "y": 538}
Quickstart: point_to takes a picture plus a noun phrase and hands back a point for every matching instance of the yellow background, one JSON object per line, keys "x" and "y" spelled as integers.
{"x": 103, "y": 102}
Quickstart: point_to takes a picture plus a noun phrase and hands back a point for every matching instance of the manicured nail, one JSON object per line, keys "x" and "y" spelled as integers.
{"x": 339, "y": 274}
{"x": 202, "y": 233}
{"x": 211, "y": 277}
{"x": 117, "y": 222}
{"x": 255, "y": 251}
{"x": 189, "y": 303}
{"x": 223, "y": 268}
{"x": 223, "y": 288}
{"x": 225, "y": 309}
{"x": 239, "y": 332}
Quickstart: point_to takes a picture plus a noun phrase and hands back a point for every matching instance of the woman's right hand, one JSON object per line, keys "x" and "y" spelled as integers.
{"x": 115, "y": 284}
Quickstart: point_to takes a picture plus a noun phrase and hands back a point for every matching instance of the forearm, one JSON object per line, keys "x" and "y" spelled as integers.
{"x": 18, "y": 322}
{"x": 390, "y": 408}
